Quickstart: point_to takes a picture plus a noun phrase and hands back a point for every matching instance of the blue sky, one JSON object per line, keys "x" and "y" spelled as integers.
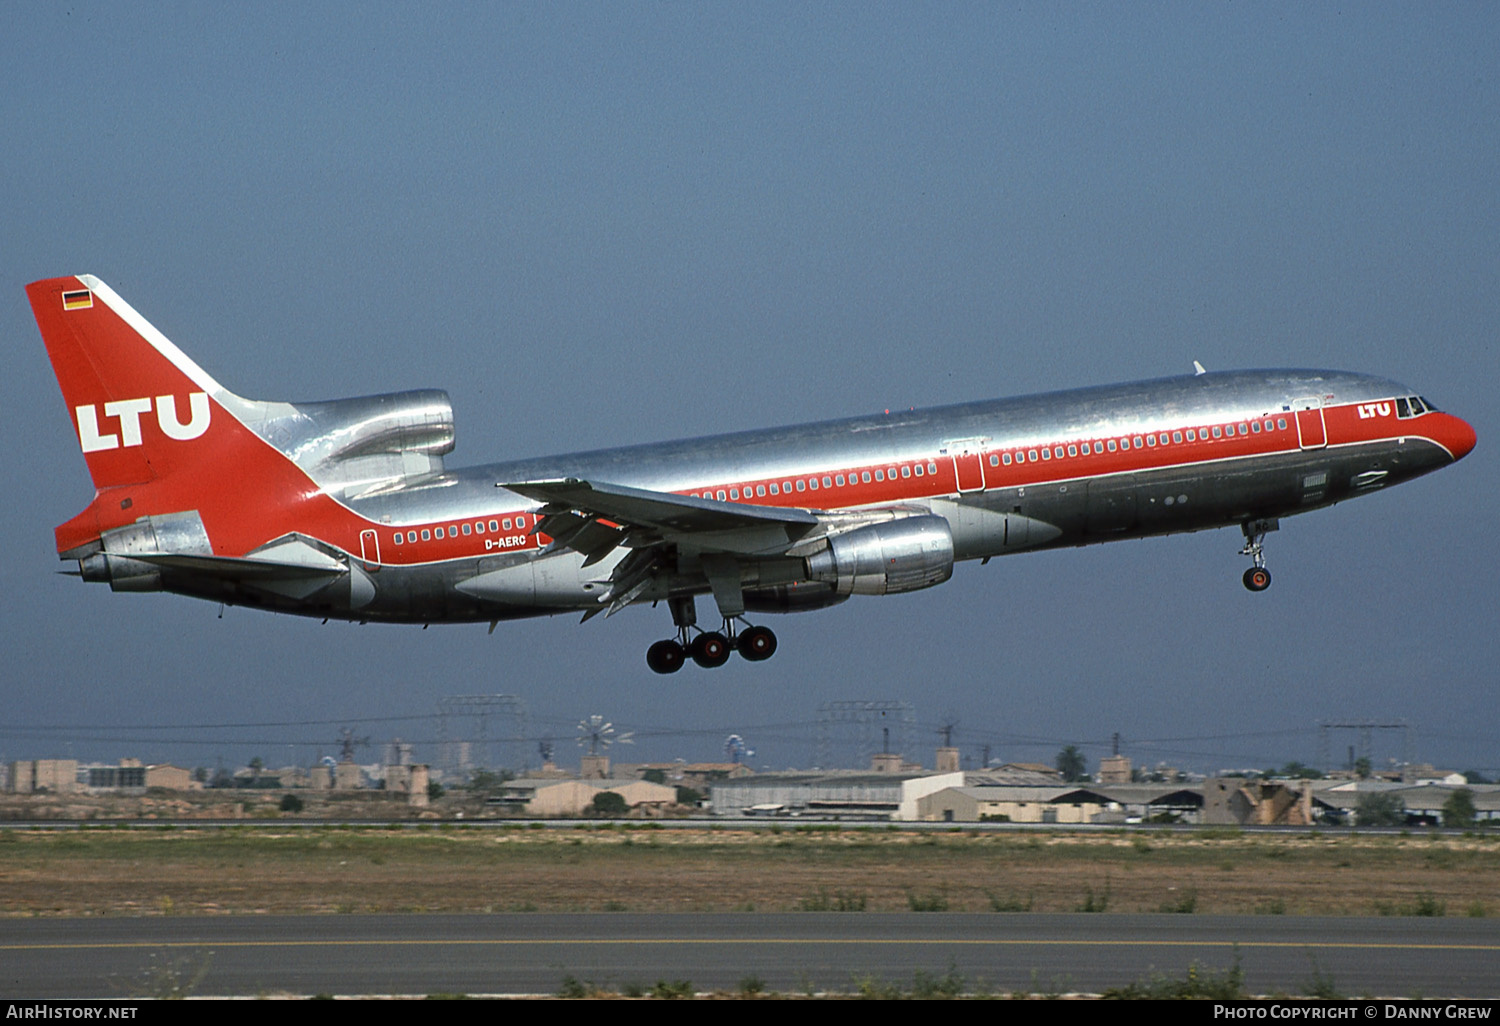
{"x": 613, "y": 223}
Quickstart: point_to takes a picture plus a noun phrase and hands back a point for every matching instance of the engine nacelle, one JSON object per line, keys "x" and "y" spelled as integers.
{"x": 793, "y": 598}
{"x": 175, "y": 533}
{"x": 885, "y": 559}
{"x": 354, "y": 446}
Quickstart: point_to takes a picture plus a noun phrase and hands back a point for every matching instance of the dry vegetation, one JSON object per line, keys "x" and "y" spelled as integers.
{"x": 269, "y": 868}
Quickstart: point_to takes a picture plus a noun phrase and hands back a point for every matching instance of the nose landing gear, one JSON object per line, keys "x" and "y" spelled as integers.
{"x": 1257, "y": 578}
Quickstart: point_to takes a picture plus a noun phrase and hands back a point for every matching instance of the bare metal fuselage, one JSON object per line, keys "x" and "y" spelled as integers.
{"x": 1065, "y": 501}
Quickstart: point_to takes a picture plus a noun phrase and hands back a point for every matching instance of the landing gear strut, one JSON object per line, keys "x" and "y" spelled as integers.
{"x": 709, "y": 649}
{"x": 1257, "y": 578}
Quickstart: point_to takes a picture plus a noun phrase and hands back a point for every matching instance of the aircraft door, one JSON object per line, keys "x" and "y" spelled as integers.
{"x": 369, "y": 550}
{"x": 968, "y": 471}
{"x": 968, "y": 468}
{"x": 1312, "y": 431}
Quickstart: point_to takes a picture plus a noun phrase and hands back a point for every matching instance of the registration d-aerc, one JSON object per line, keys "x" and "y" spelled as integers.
{"x": 346, "y": 508}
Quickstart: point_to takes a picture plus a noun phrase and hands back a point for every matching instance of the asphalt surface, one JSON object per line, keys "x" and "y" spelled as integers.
{"x": 532, "y": 953}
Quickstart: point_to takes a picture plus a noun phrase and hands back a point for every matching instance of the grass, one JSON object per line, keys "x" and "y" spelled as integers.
{"x": 268, "y": 868}
{"x": 1183, "y": 904}
{"x": 935, "y": 902}
{"x": 1200, "y": 983}
{"x": 843, "y": 901}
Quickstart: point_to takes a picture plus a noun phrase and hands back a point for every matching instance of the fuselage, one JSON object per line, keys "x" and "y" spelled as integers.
{"x": 1063, "y": 468}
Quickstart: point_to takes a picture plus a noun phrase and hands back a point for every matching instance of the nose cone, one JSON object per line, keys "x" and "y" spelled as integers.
{"x": 1455, "y": 435}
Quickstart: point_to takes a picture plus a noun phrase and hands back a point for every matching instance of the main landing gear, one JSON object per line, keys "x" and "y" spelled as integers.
{"x": 708, "y": 649}
{"x": 1257, "y": 578}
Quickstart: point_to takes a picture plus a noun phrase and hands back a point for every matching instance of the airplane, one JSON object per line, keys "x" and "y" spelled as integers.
{"x": 345, "y": 508}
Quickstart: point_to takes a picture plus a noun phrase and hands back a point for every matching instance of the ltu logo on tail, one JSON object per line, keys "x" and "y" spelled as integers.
{"x": 128, "y": 412}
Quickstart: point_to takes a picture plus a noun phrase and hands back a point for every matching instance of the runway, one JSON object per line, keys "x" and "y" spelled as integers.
{"x": 532, "y": 953}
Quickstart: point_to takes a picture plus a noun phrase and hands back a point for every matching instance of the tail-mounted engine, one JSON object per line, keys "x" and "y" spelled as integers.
{"x": 177, "y": 533}
{"x": 355, "y": 446}
{"x": 887, "y": 558}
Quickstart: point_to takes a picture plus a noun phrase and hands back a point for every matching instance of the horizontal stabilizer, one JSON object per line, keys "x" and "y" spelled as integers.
{"x": 234, "y": 568}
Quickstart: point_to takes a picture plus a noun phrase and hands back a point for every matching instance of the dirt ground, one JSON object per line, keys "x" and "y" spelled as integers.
{"x": 269, "y": 867}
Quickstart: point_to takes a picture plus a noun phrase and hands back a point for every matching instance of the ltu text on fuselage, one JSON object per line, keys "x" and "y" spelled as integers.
{"x": 346, "y": 508}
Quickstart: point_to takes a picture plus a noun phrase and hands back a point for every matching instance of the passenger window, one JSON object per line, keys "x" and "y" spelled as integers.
{"x": 995, "y": 460}
{"x": 1280, "y": 423}
{"x": 1073, "y": 450}
{"x": 801, "y": 485}
{"x": 507, "y": 523}
{"x": 1031, "y": 456}
{"x": 906, "y": 471}
{"x": 918, "y": 470}
{"x": 1111, "y": 444}
{"x": 1255, "y": 426}
{"x": 494, "y": 526}
{"x": 775, "y": 489}
{"x": 520, "y": 523}
{"x": 932, "y": 468}
{"x": 1162, "y": 438}
{"x": 865, "y": 477}
{"x": 786, "y": 487}
{"x": 880, "y": 475}
{"x": 479, "y": 527}
{"x": 839, "y": 480}
{"x": 1177, "y": 437}
{"x": 398, "y": 538}
{"x": 426, "y": 534}
{"x": 1191, "y": 435}
{"x": 827, "y": 482}
{"x": 466, "y": 528}
{"x": 760, "y": 490}
{"x": 721, "y": 495}
{"x": 812, "y": 483}
{"x": 1007, "y": 459}
{"x": 1216, "y": 431}
{"x": 1244, "y": 429}
{"x": 1046, "y": 454}
{"x": 1138, "y": 442}
{"x": 452, "y": 531}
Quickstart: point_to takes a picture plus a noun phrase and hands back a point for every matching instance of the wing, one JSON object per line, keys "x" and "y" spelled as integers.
{"x": 595, "y": 518}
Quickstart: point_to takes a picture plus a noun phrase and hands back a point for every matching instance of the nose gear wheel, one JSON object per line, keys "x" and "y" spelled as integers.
{"x": 1257, "y": 578}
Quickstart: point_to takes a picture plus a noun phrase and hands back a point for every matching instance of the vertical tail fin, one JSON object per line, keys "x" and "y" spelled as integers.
{"x": 160, "y": 436}
{"x": 139, "y": 406}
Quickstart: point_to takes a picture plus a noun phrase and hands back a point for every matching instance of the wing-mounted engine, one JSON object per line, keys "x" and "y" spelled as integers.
{"x": 907, "y": 554}
{"x": 793, "y": 598}
{"x": 354, "y": 447}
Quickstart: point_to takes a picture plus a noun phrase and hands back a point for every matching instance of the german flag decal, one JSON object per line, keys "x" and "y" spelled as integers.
{"x": 80, "y": 300}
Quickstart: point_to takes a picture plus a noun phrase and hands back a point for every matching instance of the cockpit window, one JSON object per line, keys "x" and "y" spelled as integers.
{"x": 1413, "y": 406}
